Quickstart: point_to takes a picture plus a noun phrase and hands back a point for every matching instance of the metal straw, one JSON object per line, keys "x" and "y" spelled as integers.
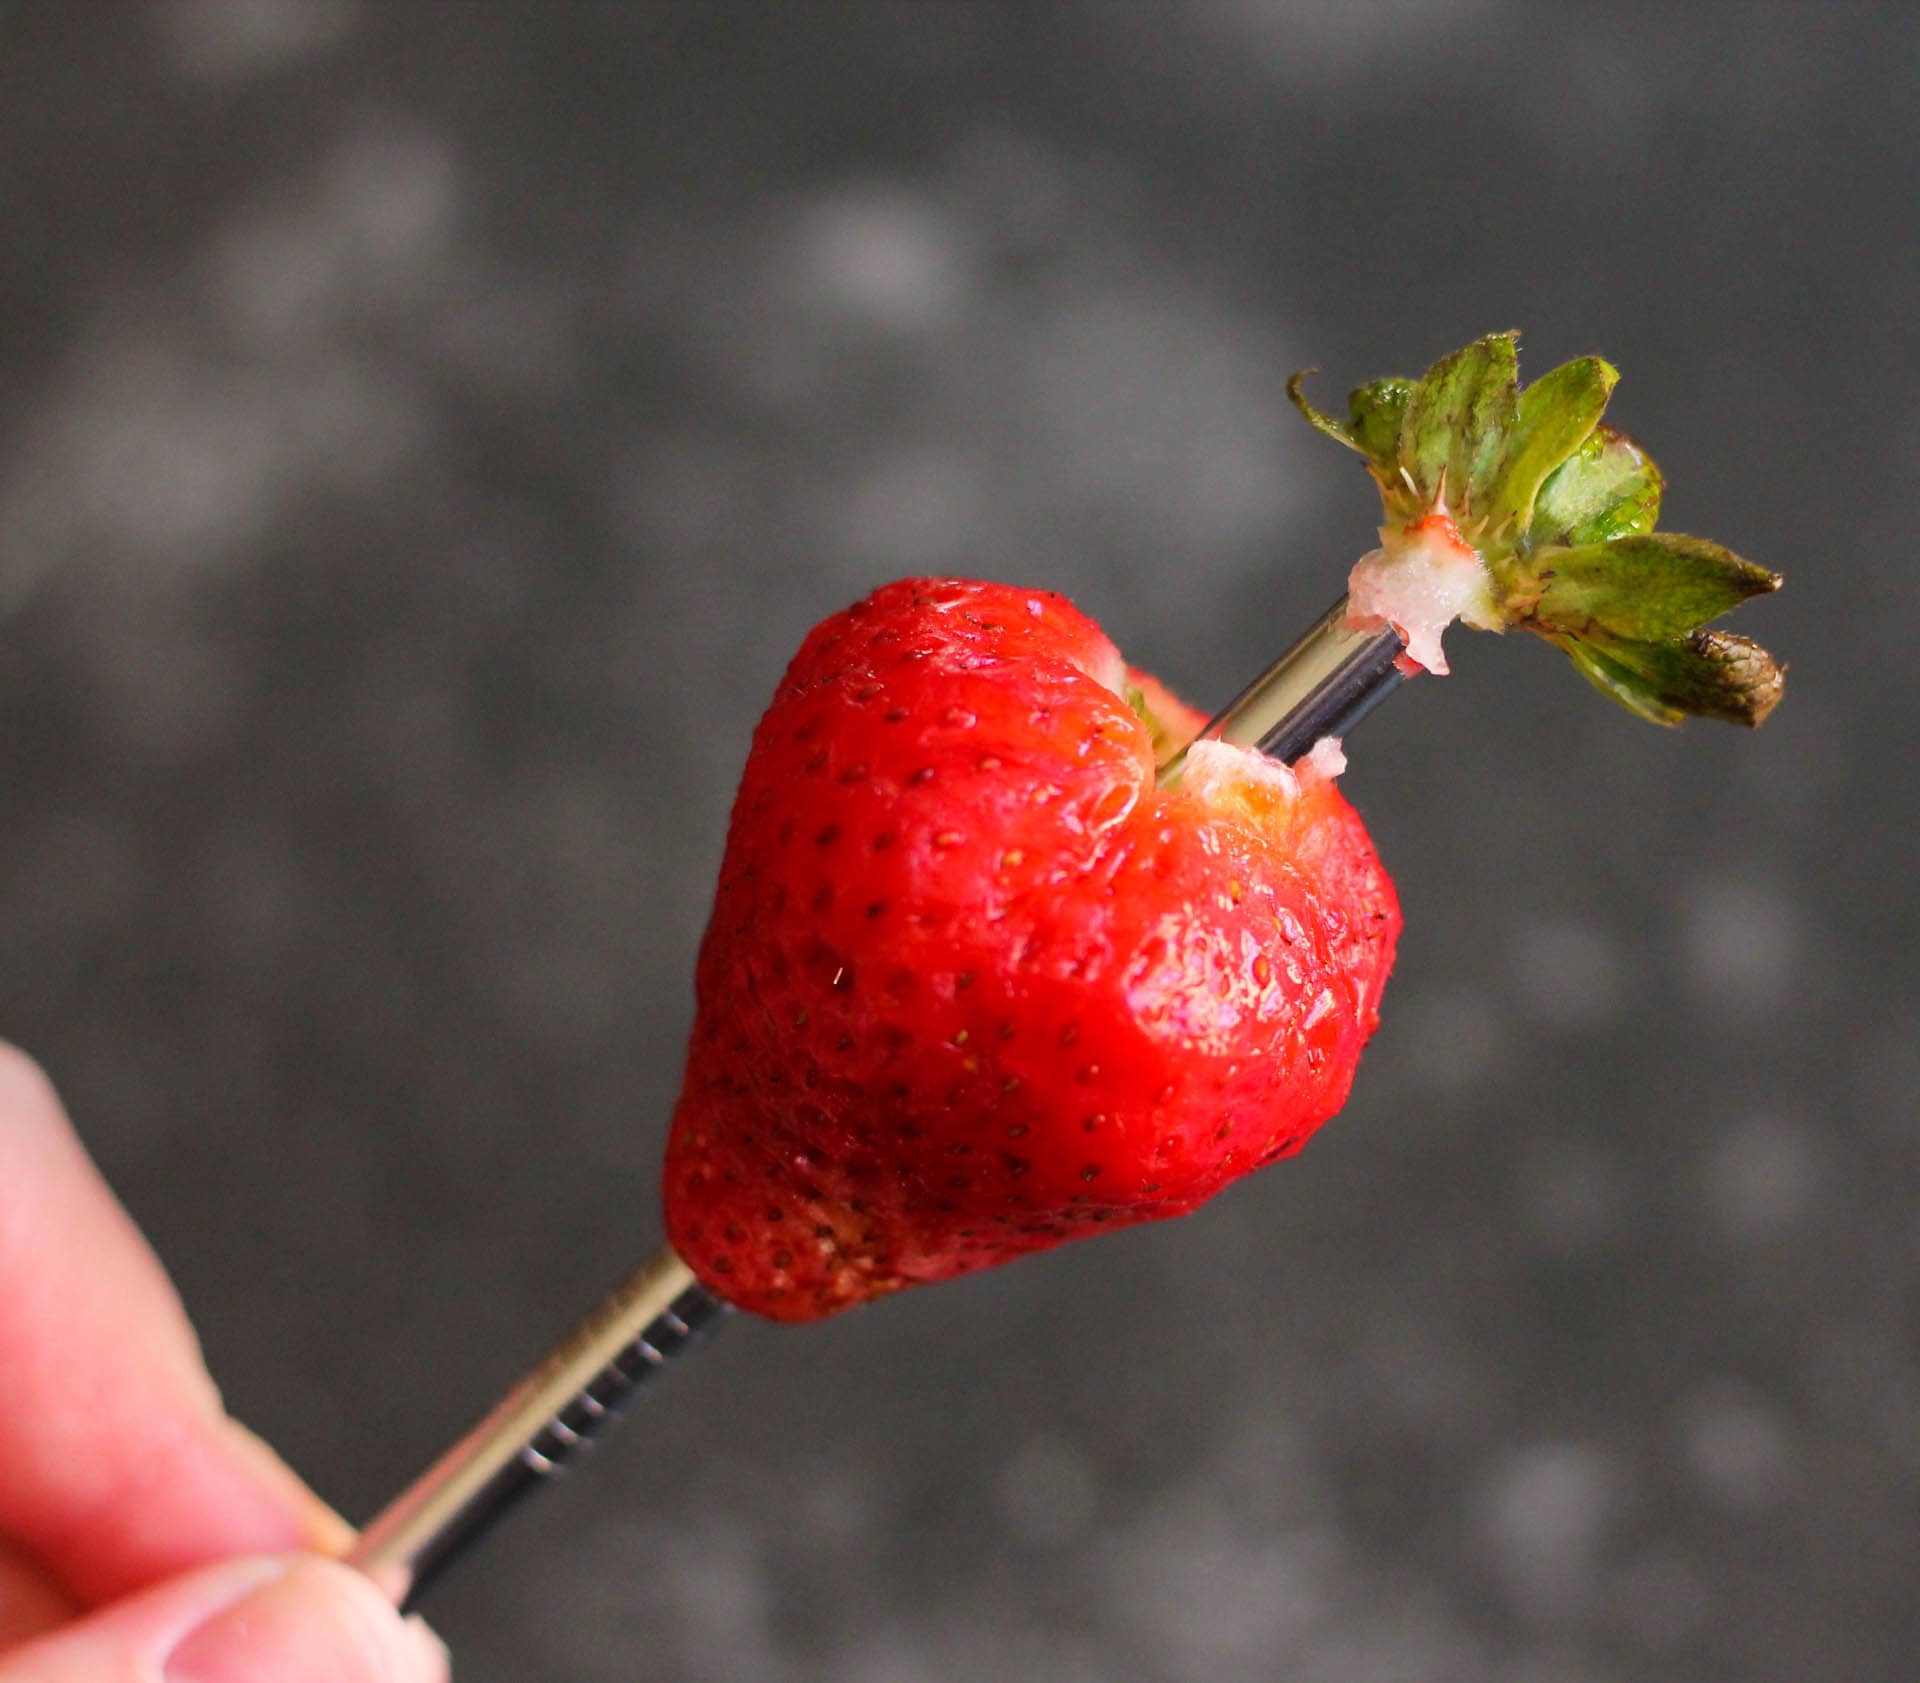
{"x": 579, "y": 1385}
{"x": 1323, "y": 686}
{"x": 1326, "y": 683}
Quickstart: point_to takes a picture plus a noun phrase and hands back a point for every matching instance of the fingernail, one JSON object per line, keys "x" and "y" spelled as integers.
{"x": 320, "y": 1622}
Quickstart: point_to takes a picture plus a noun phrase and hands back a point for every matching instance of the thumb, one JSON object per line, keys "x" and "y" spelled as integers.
{"x": 295, "y": 1620}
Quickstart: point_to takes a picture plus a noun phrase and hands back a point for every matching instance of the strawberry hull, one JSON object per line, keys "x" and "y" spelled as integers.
{"x": 973, "y": 986}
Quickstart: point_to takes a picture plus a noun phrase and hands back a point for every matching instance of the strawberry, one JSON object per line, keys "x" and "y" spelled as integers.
{"x": 973, "y": 986}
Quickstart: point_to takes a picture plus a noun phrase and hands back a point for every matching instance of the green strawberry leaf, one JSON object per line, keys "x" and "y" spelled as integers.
{"x": 1375, "y": 413}
{"x": 1650, "y": 588}
{"x": 1319, "y": 419}
{"x": 1618, "y": 682}
{"x": 1556, "y": 415}
{"x": 1711, "y": 674}
{"x": 1608, "y": 488}
{"x": 1457, "y": 418}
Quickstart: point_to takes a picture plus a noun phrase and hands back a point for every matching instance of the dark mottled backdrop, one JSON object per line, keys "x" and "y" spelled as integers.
{"x": 427, "y": 428}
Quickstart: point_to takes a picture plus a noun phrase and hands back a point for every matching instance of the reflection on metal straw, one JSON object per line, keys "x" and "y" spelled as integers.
{"x": 653, "y": 1315}
{"x": 1322, "y": 686}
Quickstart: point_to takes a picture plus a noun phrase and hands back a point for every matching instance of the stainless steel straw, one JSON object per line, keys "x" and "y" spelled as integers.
{"x": 1322, "y": 686}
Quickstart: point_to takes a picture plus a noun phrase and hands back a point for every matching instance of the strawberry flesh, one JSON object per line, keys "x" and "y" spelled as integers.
{"x": 973, "y": 986}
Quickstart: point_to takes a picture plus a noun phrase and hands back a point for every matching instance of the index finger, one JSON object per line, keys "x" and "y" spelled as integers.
{"x": 118, "y": 1465}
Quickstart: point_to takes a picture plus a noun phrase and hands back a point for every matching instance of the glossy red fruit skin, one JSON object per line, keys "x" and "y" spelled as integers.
{"x": 973, "y": 987}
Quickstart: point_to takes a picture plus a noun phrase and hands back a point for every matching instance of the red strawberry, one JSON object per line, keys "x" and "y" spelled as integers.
{"x": 973, "y": 986}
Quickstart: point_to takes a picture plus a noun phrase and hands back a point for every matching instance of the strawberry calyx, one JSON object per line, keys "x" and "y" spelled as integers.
{"x": 1512, "y": 507}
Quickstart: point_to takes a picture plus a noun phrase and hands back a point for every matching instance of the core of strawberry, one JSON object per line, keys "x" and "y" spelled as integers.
{"x": 1510, "y": 507}
{"x": 975, "y": 986}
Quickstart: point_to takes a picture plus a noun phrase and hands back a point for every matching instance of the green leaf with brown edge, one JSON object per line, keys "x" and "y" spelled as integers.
{"x": 1556, "y": 415}
{"x": 1319, "y": 419}
{"x": 1374, "y": 415}
{"x": 1651, "y": 589}
{"x": 1456, "y": 420}
{"x": 1617, "y": 682}
{"x": 1711, "y": 674}
{"x": 1608, "y": 488}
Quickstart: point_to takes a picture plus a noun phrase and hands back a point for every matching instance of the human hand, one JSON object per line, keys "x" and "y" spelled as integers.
{"x": 144, "y": 1536}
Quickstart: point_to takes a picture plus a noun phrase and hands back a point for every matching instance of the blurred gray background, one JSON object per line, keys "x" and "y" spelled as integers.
{"x": 427, "y": 429}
